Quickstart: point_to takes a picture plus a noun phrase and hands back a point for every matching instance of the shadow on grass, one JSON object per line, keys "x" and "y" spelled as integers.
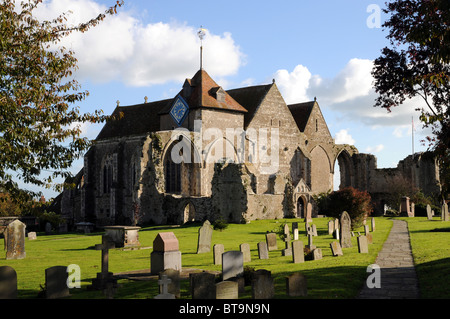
{"x": 434, "y": 279}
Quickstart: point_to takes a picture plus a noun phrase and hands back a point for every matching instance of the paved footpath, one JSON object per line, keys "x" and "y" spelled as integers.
{"x": 398, "y": 275}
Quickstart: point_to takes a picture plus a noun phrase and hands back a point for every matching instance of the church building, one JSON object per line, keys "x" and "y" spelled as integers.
{"x": 209, "y": 153}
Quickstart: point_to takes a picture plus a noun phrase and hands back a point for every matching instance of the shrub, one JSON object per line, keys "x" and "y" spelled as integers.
{"x": 355, "y": 202}
{"x": 220, "y": 224}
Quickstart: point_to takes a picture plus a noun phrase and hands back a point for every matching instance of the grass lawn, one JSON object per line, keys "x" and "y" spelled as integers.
{"x": 331, "y": 277}
{"x": 430, "y": 242}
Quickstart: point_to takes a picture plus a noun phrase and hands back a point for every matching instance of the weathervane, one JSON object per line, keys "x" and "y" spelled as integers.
{"x": 201, "y": 34}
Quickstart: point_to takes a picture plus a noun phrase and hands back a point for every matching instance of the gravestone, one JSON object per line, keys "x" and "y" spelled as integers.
{"x": 298, "y": 255}
{"x": 444, "y": 212}
{"x": 271, "y": 239}
{"x": 8, "y": 283}
{"x": 429, "y": 215}
{"x": 56, "y": 282}
{"x": 165, "y": 253}
{"x": 174, "y": 285}
{"x": 317, "y": 254}
{"x": 296, "y": 234}
{"x": 308, "y": 217}
{"x": 227, "y": 290}
{"x": 413, "y": 209}
{"x": 330, "y": 227}
{"x": 32, "y": 235}
{"x": 287, "y": 251}
{"x": 362, "y": 245}
{"x": 245, "y": 249}
{"x": 204, "y": 238}
{"x": 15, "y": 240}
{"x": 232, "y": 264}
{"x": 263, "y": 252}
{"x": 310, "y": 245}
{"x": 336, "y": 248}
{"x": 314, "y": 230}
{"x": 336, "y": 224}
{"x": 203, "y": 285}
{"x": 262, "y": 285}
{"x": 287, "y": 234}
{"x": 345, "y": 230}
{"x": 163, "y": 283}
{"x": 296, "y": 285}
{"x": 123, "y": 236}
{"x": 372, "y": 222}
{"x": 105, "y": 276}
{"x": 218, "y": 250}
{"x": 48, "y": 228}
{"x": 366, "y": 229}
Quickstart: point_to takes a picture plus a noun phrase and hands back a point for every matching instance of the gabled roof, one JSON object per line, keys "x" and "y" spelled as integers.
{"x": 134, "y": 120}
{"x": 301, "y": 112}
{"x": 202, "y": 94}
{"x": 250, "y": 97}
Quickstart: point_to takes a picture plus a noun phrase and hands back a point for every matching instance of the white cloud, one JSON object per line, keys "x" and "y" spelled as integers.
{"x": 343, "y": 137}
{"x": 123, "y": 48}
{"x": 294, "y": 85}
{"x": 375, "y": 149}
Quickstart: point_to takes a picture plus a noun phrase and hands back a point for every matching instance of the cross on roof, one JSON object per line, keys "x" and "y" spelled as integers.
{"x": 105, "y": 246}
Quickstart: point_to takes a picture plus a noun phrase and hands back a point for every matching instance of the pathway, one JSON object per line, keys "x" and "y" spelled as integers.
{"x": 398, "y": 275}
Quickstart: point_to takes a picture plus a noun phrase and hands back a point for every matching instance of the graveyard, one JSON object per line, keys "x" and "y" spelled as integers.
{"x": 325, "y": 275}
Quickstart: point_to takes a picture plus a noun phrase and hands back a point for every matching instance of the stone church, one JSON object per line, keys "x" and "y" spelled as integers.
{"x": 209, "y": 153}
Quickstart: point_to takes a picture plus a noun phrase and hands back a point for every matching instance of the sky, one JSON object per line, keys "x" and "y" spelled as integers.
{"x": 323, "y": 49}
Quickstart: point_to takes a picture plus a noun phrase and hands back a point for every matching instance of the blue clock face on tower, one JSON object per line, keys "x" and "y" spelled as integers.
{"x": 179, "y": 110}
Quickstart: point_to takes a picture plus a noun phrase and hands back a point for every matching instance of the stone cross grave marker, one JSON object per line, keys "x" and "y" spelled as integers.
{"x": 204, "y": 238}
{"x": 262, "y": 285}
{"x": 227, "y": 290}
{"x": 232, "y": 264}
{"x": 8, "y": 283}
{"x": 56, "y": 282}
{"x": 174, "y": 285}
{"x": 15, "y": 240}
{"x": 345, "y": 230}
{"x": 336, "y": 248}
{"x": 203, "y": 285}
{"x": 429, "y": 215}
{"x": 218, "y": 250}
{"x": 163, "y": 283}
{"x": 271, "y": 239}
{"x": 105, "y": 276}
{"x": 263, "y": 252}
{"x": 298, "y": 255}
{"x": 296, "y": 285}
{"x": 362, "y": 245}
{"x": 245, "y": 249}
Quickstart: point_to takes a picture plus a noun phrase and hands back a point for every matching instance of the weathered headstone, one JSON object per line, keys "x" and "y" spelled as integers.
{"x": 204, "y": 238}
{"x": 362, "y": 245}
{"x": 232, "y": 264}
{"x": 296, "y": 285}
{"x": 163, "y": 283}
{"x": 105, "y": 276}
{"x": 203, "y": 285}
{"x": 32, "y": 235}
{"x": 56, "y": 282}
{"x": 262, "y": 285}
{"x": 317, "y": 254}
{"x": 298, "y": 255}
{"x": 413, "y": 209}
{"x": 314, "y": 230}
{"x": 295, "y": 234}
{"x": 330, "y": 227}
{"x": 245, "y": 249}
{"x": 372, "y": 222}
{"x": 336, "y": 248}
{"x": 165, "y": 253}
{"x": 174, "y": 284}
{"x": 366, "y": 229}
{"x": 227, "y": 290}
{"x": 345, "y": 230}
{"x": 8, "y": 283}
{"x": 263, "y": 252}
{"x": 123, "y": 236}
{"x": 310, "y": 245}
{"x": 15, "y": 240}
{"x": 286, "y": 232}
{"x": 271, "y": 239}
{"x": 308, "y": 217}
{"x": 444, "y": 212}
{"x": 429, "y": 215}
{"x": 336, "y": 224}
{"x": 218, "y": 250}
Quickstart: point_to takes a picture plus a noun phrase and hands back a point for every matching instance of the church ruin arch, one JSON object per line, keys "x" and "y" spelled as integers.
{"x": 320, "y": 170}
{"x": 345, "y": 171}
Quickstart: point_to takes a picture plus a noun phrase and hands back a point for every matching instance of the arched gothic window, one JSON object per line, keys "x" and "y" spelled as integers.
{"x": 173, "y": 176}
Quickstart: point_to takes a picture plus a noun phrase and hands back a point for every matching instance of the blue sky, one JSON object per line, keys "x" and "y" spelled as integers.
{"x": 322, "y": 49}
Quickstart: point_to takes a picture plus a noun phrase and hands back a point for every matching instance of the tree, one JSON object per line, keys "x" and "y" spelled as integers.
{"x": 38, "y": 121}
{"x": 418, "y": 65}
